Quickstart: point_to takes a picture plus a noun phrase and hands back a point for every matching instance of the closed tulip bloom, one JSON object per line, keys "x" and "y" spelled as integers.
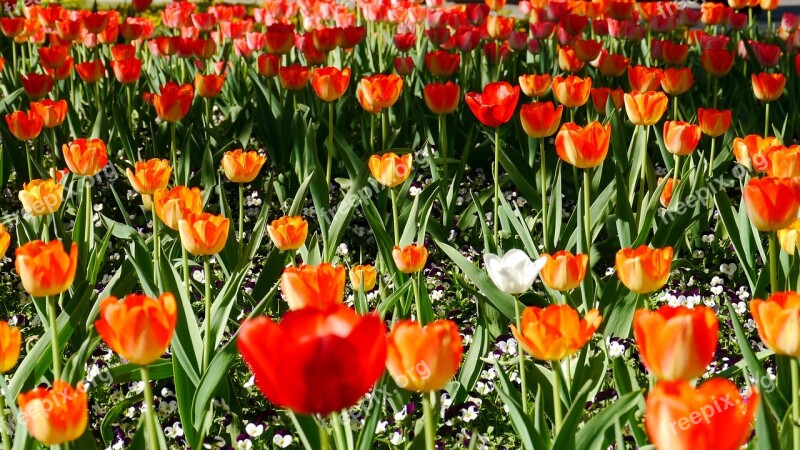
{"x": 568, "y": 61}
{"x": 768, "y": 87}
{"x": 138, "y": 328}
{"x": 572, "y": 91}
{"x": 600, "y": 97}
{"x": 173, "y": 102}
{"x": 52, "y": 112}
{"x": 204, "y": 233}
{"x": 666, "y": 193}
{"x": 309, "y": 286}
{"x": 714, "y": 122}
{"x": 717, "y": 62}
{"x": 379, "y": 92}
{"x": 363, "y": 276}
{"x": 10, "y": 343}
{"x": 555, "y": 332}
{"x": 330, "y": 83}
{"x": 535, "y": 85}
{"x": 564, "y": 271}
{"x": 644, "y": 270}
{"x": 5, "y": 239}
{"x": 172, "y": 205}
{"x": 676, "y": 81}
{"x": 288, "y": 232}
{"x": 495, "y": 105}
{"x": 753, "y": 151}
{"x": 495, "y": 5}
{"x": 442, "y": 98}
{"x": 128, "y": 71}
{"x": 294, "y": 77}
{"x": 390, "y": 169}
{"x": 12, "y": 26}
{"x": 45, "y": 268}
{"x": 91, "y": 71}
{"x": 441, "y": 63}
{"x": 681, "y": 138}
{"x": 36, "y": 85}
{"x": 55, "y": 415}
{"x": 514, "y": 272}
{"x": 585, "y": 147}
{"x": 122, "y": 52}
{"x": 149, "y": 175}
{"x": 268, "y": 65}
{"x": 25, "y": 126}
{"x": 404, "y": 66}
{"x": 784, "y": 162}
{"x": 208, "y": 86}
{"x": 242, "y": 167}
{"x": 41, "y": 197}
{"x": 677, "y": 415}
{"x": 292, "y": 373}
{"x": 645, "y": 108}
{"x": 778, "y": 321}
{"x": 411, "y": 258}
{"x": 676, "y": 343}
{"x": 788, "y": 237}
{"x": 85, "y": 157}
{"x": 644, "y": 79}
{"x": 587, "y": 50}
{"x": 423, "y": 359}
{"x": 611, "y": 65}
{"x": 675, "y": 54}
{"x": 540, "y": 119}
{"x": 771, "y": 203}
{"x": 499, "y": 27}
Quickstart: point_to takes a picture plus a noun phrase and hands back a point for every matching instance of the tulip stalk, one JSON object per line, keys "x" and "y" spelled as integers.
{"x": 766, "y": 120}
{"x": 543, "y": 172}
{"x": 186, "y": 286}
{"x": 4, "y": 423}
{"x": 556, "y": 397}
{"x": 417, "y": 303}
{"x": 495, "y": 218}
{"x": 89, "y": 232}
{"x": 241, "y": 216}
{"x": 711, "y": 158}
{"x": 28, "y": 149}
{"x": 51, "y": 317}
{"x": 427, "y": 412}
{"x": 207, "y": 322}
{"x": 395, "y": 217}
{"x": 523, "y": 383}
{"x": 338, "y": 432}
{"x": 443, "y": 139}
{"x": 152, "y": 434}
{"x": 773, "y": 264}
{"x": 156, "y": 247}
{"x": 330, "y": 143}
{"x": 795, "y": 402}
{"x": 173, "y": 152}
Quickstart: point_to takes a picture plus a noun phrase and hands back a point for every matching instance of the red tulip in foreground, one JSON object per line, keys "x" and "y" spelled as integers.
{"x": 315, "y": 361}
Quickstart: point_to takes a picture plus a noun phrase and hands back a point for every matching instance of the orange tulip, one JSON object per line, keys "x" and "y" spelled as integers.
{"x": 150, "y": 175}
{"x": 10, "y": 343}
{"x": 330, "y": 83}
{"x": 495, "y": 5}
{"x": 204, "y": 233}
{"x": 790, "y": 237}
{"x": 91, "y": 71}
{"x": 644, "y": 79}
{"x": 294, "y": 77}
{"x": 753, "y": 151}
{"x": 85, "y": 157}
{"x": 313, "y": 286}
{"x": 568, "y": 61}
{"x": 288, "y": 232}
{"x": 555, "y": 332}
{"x": 572, "y": 91}
{"x": 611, "y": 65}
{"x": 25, "y": 126}
{"x": 778, "y": 321}
{"x": 585, "y": 147}
{"x": 242, "y": 167}
{"x": 174, "y": 101}
{"x": 363, "y": 276}
{"x": 714, "y": 122}
{"x": 411, "y": 258}
{"x": 645, "y": 108}
{"x": 5, "y": 239}
{"x": 52, "y": 113}
{"x": 784, "y": 162}
{"x": 717, "y": 62}
{"x": 676, "y": 343}
{"x": 713, "y": 415}
{"x": 681, "y": 138}
{"x": 644, "y": 270}
{"x": 676, "y": 81}
{"x": 268, "y": 65}
{"x": 55, "y": 415}
{"x": 138, "y": 328}
{"x": 379, "y": 92}
{"x": 442, "y": 98}
{"x": 423, "y": 359}
{"x": 587, "y": 50}
{"x": 540, "y": 119}
{"x": 208, "y": 86}
{"x": 535, "y": 85}
{"x": 601, "y": 95}
{"x": 499, "y": 27}
{"x": 390, "y": 169}
{"x": 771, "y": 203}
{"x": 564, "y": 271}
{"x": 768, "y": 86}
{"x": 45, "y": 268}
{"x": 666, "y": 194}
{"x": 41, "y": 197}
{"x": 172, "y": 205}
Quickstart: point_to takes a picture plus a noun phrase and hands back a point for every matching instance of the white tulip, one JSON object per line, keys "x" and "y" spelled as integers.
{"x": 514, "y": 272}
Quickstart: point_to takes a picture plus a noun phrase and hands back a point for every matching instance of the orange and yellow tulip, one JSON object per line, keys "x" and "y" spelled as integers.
{"x": 173, "y": 102}
{"x": 390, "y": 169}
{"x": 204, "y": 233}
{"x": 150, "y": 175}
{"x": 242, "y": 167}
{"x": 379, "y": 92}
{"x": 540, "y": 119}
{"x": 172, "y": 205}
{"x": 564, "y": 271}
{"x": 25, "y": 126}
{"x": 753, "y": 151}
{"x": 41, "y": 197}
{"x": 411, "y": 258}
{"x": 681, "y": 138}
{"x": 778, "y": 321}
{"x": 288, "y": 232}
{"x": 535, "y": 85}
{"x": 768, "y": 87}
{"x": 52, "y": 113}
{"x": 442, "y": 98}
{"x": 572, "y": 91}
{"x": 714, "y": 122}
{"x": 555, "y": 332}
{"x": 330, "y": 83}
{"x": 45, "y": 268}
{"x": 645, "y": 108}
{"x": 423, "y": 359}
{"x": 309, "y": 286}
{"x": 55, "y": 415}
{"x": 583, "y": 147}
{"x": 85, "y": 157}
{"x": 771, "y": 203}
{"x": 10, "y": 344}
{"x": 363, "y": 276}
{"x": 644, "y": 270}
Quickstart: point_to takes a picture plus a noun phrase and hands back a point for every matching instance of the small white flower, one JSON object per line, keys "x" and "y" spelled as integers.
{"x": 616, "y": 349}
{"x": 381, "y": 427}
{"x": 740, "y": 308}
{"x": 397, "y": 438}
{"x": 254, "y": 430}
{"x": 282, "y": 441}
{"x": 468, "y": 414}
{"x": 717, "y": 290}
{"x": 244, "y": 444}
{"x": 400, "y": 415}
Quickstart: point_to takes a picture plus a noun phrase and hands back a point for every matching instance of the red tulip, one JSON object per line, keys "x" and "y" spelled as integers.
{"x": 495, "y": 105}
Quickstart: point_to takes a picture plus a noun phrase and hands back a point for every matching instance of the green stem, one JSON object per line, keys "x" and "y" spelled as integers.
{"x": 716, "y": 89}
{"x": 773, "y": 262}
{"x": 417, "y": 301}
{"x": 543, "y": 172}
{"x": 676, "y": 172}
{"x": 430, "y": 420}
{"x": 556, "y": 397}
{"x": 330, "y": 144}
{"x": 241, "y": 216}
{"x": 523, "y": 382}
{"x": 766, "y": 121}
{"x": 156, "y": 250}
{"x": 587, "y": 209}
{"x": 186, "y": 284}
{"x": 711, "y": 159}
{"x": 209, "y": 340}
{"x": 495, "y": 218}
{"x": 152, "y": 434}
{"x": 30, "y": 157}
{"x": 89, "y": 233}
{"x": 675, "y": 108}
{"x": 173, "y": 152}
{"x": 4, "y": 423}
{"x": 372, "y": 133}
{"x": 51, "y": 317}
{"x": 384, "y": 128}
{"x": 443, "y": 139}
{"x": 395, "y": 217}
{"x": 642, "y": 174}
{"x": 338, "y": 432}
{"x": 795, "y": 402}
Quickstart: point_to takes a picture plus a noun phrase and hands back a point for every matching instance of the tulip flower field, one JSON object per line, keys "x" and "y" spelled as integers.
{"x": 399, "y": 224}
